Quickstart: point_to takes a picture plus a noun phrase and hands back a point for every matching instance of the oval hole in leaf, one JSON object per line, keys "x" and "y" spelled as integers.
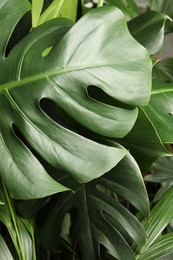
{"x": 20, "y": 31}
{"x": 98, "y": 94}
{"x": 46, "y": 51}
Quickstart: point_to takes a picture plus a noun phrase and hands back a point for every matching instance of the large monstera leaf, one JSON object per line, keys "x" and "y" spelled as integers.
{"x": 96, "y": 55}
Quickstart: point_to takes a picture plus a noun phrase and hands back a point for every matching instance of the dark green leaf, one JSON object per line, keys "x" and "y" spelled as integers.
{"x": 143, "y": 142}
{"x": 160, "y": 109}
{"x": 84, "y": 57}
{"x": 148, "y": 29}
{"x": 97, "y": 217}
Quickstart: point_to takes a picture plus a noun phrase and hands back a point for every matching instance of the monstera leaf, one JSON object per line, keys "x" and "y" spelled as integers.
{"x": 92, "y": 217}
{"x": 90, "y": 58}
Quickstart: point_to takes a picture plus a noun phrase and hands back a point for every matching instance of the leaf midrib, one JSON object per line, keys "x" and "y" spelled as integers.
{"x": 17, "y": 83}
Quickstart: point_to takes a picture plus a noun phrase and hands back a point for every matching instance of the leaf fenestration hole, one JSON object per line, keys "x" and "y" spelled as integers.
{"x": 46, "y": 51}
{"x": 98, "y": 94}
{"x": 20, "y": 31}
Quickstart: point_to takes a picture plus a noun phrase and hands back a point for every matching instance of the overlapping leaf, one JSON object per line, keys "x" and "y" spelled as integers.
{"x": 160, "y": 109}
{"x": 96, "y": 216}
{"x": 163, "y": 6}
{"x": 148, "y": 29}
{"x": 93, "y": 53}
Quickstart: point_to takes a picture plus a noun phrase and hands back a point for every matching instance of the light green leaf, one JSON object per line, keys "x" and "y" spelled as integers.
{"x": 162, "y": 246}
{"x": 51, "y": 12}
{"x": 37, "y": 6}
{"x": 68, "y": 78}
{"x": 161, "y": 215}
{"x": 148, "y": 29}
{"x": 160, "y": 109}
{"x": 4, "y": 251}
{"x": 60, "y": 8}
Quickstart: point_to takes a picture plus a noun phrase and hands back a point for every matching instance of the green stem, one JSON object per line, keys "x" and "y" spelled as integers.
{"x": 20, "y": 249}
{"x": 100, "y": 3}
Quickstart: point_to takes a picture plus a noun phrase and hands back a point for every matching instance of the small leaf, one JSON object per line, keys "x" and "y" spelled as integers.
{"x": 148, "y": 29}
{"x": 60, "y": 8}
{"x": 68, "y": 79}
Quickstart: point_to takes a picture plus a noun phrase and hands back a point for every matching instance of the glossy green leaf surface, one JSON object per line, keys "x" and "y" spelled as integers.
{"x": 98, "y": 217}
{"x": 143, "y": 142}
{"x": 160, "y": 109}
{"x": 63, "y": 77}
{"x": 148, "y": 29}
{"x": 161, "y": 247}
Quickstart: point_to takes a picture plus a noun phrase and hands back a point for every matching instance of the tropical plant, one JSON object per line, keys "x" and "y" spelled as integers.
{"x": 80, "y": 123}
